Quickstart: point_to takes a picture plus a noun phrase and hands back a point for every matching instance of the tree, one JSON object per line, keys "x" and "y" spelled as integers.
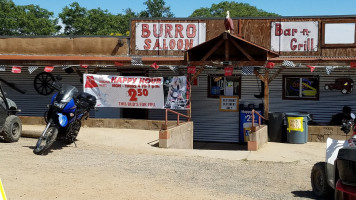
{"x": 27, "y": 20}
{"x": 236, "y": 10}
{"x": 156, "y": 8}
{"x": 73, "y": 18}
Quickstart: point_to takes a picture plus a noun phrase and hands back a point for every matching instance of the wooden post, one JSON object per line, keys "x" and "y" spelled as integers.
{"x": 266, "y": 97}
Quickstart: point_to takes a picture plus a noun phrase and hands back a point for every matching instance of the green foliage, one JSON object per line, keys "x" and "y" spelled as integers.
{"x": 236, "y": 10}
{"x": 27, "y": 20}
{"x": 156, "y": 8}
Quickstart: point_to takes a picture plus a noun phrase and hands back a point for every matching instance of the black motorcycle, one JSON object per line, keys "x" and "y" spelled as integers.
{"x": 67, "y": 109}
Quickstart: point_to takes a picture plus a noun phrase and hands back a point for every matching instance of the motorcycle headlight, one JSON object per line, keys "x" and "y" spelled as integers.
{"x": 59, "y": 105}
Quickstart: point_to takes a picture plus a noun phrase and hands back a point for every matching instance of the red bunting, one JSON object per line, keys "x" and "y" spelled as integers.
{"x": 16, "y": 70}
{"x": 228, "y": 71}
{"x": 311, "y": 68}
{"x": 270, "y": 65}
{"x": 118, "y": 63}
{"x": 352, "y": 65}
{"x": 155, "y": 66}
{"x": 191, "y": 69}
{"x": 84, "y": 66}
{"x": 48, "y": 68}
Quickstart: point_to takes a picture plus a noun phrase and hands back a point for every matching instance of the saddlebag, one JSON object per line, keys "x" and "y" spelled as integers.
{"x": 86, "y": 100}
{"x": 346, "y": 165}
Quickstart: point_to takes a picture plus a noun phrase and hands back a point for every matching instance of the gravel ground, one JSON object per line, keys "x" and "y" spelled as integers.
{"x": 96, "y": 170}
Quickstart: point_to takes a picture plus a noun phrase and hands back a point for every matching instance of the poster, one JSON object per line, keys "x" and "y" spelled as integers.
{"x": 176, "y": 92}
{"x": 125, "y": 91}
{"x": 229, "y": 104}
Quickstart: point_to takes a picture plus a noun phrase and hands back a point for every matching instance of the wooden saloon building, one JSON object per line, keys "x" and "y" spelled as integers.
{"x": 279, "y": 64}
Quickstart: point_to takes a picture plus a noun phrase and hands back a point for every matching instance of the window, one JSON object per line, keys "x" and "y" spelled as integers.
{"x": 301, "y": 87}
{"x": 226, "y": 86}
{"x": 341, "y": 34}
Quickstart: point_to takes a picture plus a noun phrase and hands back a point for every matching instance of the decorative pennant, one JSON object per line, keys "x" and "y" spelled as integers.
{"x": 84, "y": 66}
{"x": 65, "y": 67}
{"x": 311, "y": 68}
{"x": 352, "y": 65}
{"x": 247, "y": 70}
{"x": 270, "y": 65}
{"x": 102, "y": 66}
{"x": 173, "y": 68}
{"x": 2, "y": 68}
{"x": 48, "y": 68}
{"x": 155, "y": 66}
{"x": 191, "y": 69}
{"x": 16, "y": 70}
{"x": 31, "y": 69}
{"x": 328, "y": 69}
{"x": 119, "y": 64}
{"x": 136, "y": 60}
{"x": 228, "y": 71}
{"x": 288, "y": 63}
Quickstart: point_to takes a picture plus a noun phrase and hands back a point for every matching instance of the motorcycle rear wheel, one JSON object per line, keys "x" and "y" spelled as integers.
{"x": 46, "y": 140}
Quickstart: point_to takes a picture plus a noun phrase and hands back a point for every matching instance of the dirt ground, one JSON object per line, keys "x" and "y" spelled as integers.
{"x": 114, "y": 164}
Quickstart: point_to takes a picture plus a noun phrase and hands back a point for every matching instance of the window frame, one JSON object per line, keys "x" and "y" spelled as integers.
{"x": 284, "y": 97}
{"x": 337, "y": 45}
{"x": 210, "y": 76}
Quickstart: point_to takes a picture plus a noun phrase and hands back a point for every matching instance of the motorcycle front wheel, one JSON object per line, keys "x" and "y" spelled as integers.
{"x": 46, "y": 140}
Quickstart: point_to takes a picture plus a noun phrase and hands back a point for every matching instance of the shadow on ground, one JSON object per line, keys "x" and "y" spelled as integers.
{"x": 308, "y": 195}
{"x": 219, "y": 146}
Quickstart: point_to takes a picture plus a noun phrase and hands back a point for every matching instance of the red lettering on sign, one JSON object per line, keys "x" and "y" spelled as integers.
{"x": 172, "y": 44}
{"x": 169, "y": 28}
{"x": 292, "y": 45}
{"x": 278, "y": 30}
{"x": 191, "y": 30}
{"x": 147, "y": 45}
{"x": 145, "y": 31}
{"x": 179, "y": 29}
{"x": 160, "y": 30}
{"x": 180, "y": 44}
{"x": 188, "y": 44}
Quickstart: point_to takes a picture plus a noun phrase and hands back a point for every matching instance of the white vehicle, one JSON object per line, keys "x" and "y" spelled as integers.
{"x": 337, "y": 176}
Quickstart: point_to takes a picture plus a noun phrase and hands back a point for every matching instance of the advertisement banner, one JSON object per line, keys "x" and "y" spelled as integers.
{"x": 176, "y": 92}
{"x": 169, "y": 36}
{"x": 294, "y": 36}
{"x": 125, "y": 91}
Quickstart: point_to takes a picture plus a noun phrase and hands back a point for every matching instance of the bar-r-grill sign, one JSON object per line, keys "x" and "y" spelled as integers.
{"x": 169, "y": 36}
{"x": 294, "y": 36}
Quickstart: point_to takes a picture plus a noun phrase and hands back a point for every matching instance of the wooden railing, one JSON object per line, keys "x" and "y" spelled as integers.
{"x": 165, "y": 125}
{"x": 253, "y": 128}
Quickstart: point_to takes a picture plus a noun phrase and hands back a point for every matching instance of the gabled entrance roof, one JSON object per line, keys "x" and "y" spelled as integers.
{"x": 227, "y": 47}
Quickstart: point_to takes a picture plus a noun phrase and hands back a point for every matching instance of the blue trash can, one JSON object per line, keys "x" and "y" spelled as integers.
{"x": 297, "y": 127}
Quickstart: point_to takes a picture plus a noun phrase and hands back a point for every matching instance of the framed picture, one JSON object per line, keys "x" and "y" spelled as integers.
{"x": 229, "y": 104}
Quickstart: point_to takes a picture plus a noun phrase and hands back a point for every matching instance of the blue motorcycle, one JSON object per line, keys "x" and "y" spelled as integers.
{"x": 64, "y": 115}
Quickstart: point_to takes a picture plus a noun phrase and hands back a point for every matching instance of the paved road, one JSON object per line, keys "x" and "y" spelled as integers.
{"x": 126, "y": 164}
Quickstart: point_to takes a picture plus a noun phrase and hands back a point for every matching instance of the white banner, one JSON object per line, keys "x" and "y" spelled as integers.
{"x": 125, "y": 91}
{"x": 294, "y": 36}
{"x": 169, "y": 36}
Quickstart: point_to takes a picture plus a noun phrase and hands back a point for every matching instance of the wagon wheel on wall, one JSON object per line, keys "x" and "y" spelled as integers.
{"x": 43, "y": 82}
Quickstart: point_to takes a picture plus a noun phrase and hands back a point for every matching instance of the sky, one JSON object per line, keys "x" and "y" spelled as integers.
{"x": 184, "y": 8}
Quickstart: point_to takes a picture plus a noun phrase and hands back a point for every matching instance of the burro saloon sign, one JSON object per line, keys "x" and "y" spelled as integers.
{"x": 294, "y": 36}
{"x": 169, "y": 36}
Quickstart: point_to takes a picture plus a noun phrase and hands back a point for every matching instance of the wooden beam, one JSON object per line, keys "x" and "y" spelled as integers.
{"x": 227, "y": 50}
{"x": 96, "y": 70}
{"x": 249, "y": 57}
{"x": 212, "y": 50}
{"x": 276, "y": 74}
{"x": 259, "y": 75}
{"x": 266, "y": 97}
{"x": 196, "y": 74}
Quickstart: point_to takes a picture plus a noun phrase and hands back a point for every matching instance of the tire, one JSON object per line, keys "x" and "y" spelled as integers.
{"x": 46, "y": 140}
{"x": 12, "y": 128}
{"x": 319, "y": 180}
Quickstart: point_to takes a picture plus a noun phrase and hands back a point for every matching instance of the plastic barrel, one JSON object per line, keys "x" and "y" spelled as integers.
{"x": 275, "y": 126}
{"x": 297, "y": 128}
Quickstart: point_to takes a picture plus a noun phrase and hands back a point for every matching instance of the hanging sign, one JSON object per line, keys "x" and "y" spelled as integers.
{"x": 125, "y": 91}
{"x": 169, "y": 36}
{"x": 228, "y": 71}
{"x": 294, "y": 36}
{"x": 16, "y": 70}
{"x": 229, "y": 104}
{"x": 191, "y": 69}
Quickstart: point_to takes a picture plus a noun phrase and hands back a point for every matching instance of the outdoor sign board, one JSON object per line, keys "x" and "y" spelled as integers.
{"x": 138, "y": 92}
{"x": 229, "y": 104}
{"x": 169, "y": 36}
{"x": 294, "y": 36}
